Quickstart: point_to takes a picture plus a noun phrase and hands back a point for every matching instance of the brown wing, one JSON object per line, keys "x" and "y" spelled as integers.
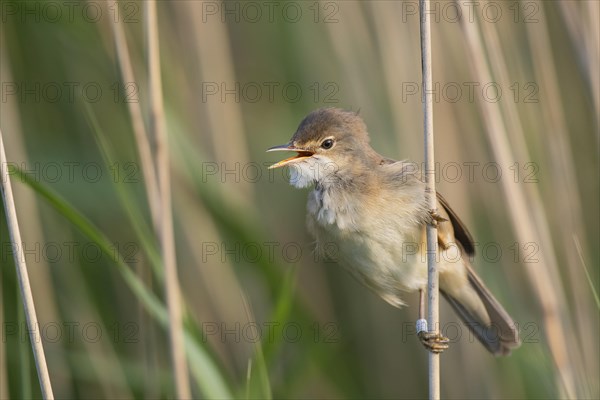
{"x": 461, "y": 233}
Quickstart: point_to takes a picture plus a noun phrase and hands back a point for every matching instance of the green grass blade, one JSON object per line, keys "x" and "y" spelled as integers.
{"x": 141, "y": 228}
{"x": 208, "y": 378}
{"x": 24, "y": 360}
{"x": 587, "y": 273}
{"x": 258, "y": 385}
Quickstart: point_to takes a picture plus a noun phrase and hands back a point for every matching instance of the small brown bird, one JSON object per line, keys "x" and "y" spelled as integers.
{"x": 370, "y": 212}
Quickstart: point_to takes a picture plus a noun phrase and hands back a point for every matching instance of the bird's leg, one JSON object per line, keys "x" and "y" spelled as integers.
{"x": 433, "y": 341}
{"x": 421, "y": 304}
{"x": 436, "y": 218}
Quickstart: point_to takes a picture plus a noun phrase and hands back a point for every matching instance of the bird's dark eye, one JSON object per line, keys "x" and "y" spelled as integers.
{"x": 327, "y": 144}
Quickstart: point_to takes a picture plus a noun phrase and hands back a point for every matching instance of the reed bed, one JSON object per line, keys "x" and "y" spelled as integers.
{"x": 98, "y": 157}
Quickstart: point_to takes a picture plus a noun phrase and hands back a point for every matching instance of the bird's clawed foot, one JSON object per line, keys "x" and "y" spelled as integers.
{"x": 436, "y": 218}
{"x": 433, "y": 341}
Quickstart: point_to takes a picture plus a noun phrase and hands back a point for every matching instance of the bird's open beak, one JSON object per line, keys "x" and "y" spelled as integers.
{"x": 302, "y": 154}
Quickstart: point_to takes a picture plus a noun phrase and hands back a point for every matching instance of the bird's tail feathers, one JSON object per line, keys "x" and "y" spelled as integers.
{"x": 501, "y": 335}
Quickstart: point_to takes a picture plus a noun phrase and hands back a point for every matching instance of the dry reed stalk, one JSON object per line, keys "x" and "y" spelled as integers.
{"x": 554, "y": 124}
{"x": 23, "y": 276}
{"x": 546, "y": 285}
{"x": 141, "y": 137}
{"x": 32, "y": 229}
{"x": 157, "y": 127}
{"x": 3, "y": 369}
{"x": 148, "y": 168}
{"x": 581, "y": 20}
{"x": 352, "y": 48}
{"x": 396, "y": 67}
{"x": 433, "y": 294}
{"x": 564, "y": 176}
{"x": 224, "y": 118}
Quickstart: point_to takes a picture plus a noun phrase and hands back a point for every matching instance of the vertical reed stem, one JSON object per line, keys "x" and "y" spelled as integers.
{"x": 166, "y": 235}
{"x": 432, "y": 272}
{"x": 135, "y": 112}
{"x": 23, "y": 276}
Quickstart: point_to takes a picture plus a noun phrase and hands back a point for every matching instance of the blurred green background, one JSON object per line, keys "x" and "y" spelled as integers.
{"x": 516, "y": 125}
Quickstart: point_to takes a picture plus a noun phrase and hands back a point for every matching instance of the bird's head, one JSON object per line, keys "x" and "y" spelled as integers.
{"x": 330, "y": 143}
